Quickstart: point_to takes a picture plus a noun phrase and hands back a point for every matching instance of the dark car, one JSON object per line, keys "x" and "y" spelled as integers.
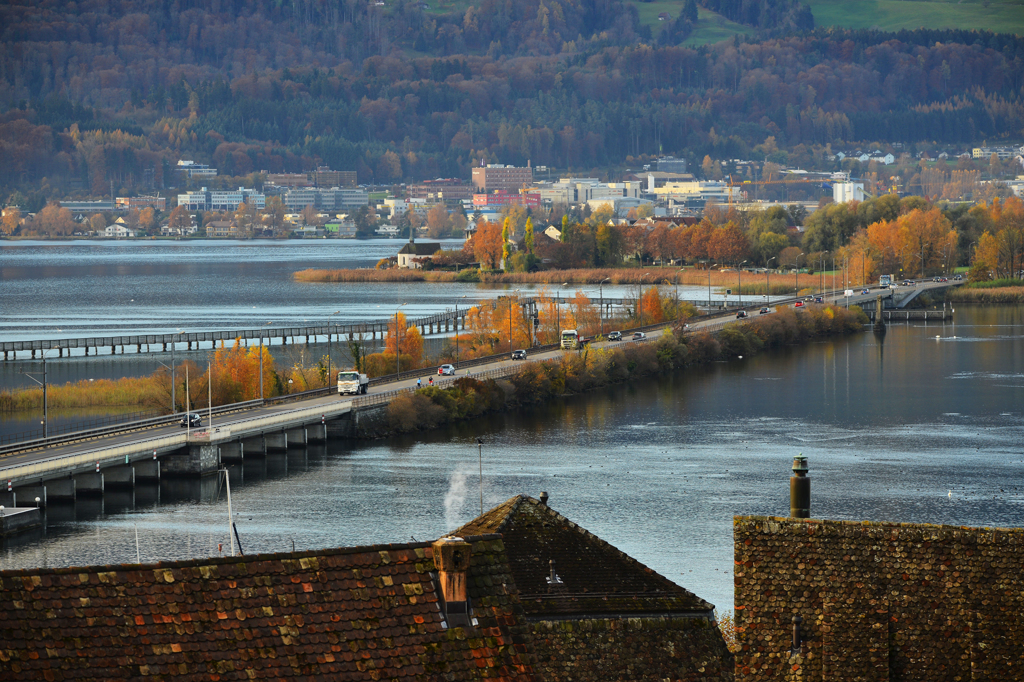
{"x": 192, "y": 419}
{"x": 615, "y": 336}
{"x": 764, "y": 311}
{"x": 519, "y": 355}
{"x": 865, "y": 291}
{"x": 741, "y": 313}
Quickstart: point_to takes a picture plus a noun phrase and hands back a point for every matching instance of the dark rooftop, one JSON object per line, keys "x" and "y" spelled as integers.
{"x": 594, "y": 578}
{"x": 367, "y": 613}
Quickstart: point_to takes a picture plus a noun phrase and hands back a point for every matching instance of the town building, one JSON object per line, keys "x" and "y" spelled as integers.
{"x": 191, "y": 169}
{"x": 88, "y": 206}
{"x": 412, "y": 254}
{"x": 117, "y": 231}
{"x": 498, "y": 199}
{"x": 287, "y": 180}
{"x": 333, "y": 199}
{"x": 1002, "y": 153}
{"x": 442, "y": 191}
{"x": 326, "y": 178}
{"x": 499, "y": 178}
{"x": 139, "y": 203}
{"x": 697, "y": 192}
{"x": 670, "y": 164}
{"x": 843, "y": 192}
{"x": 520, "y": 594}
{"x": 221, "y": 200}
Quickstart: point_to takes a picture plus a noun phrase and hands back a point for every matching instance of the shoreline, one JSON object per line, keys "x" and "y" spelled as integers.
{"x": 433, "y": 407}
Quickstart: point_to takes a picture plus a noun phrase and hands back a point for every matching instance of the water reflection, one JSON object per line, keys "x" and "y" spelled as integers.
{"x": 928, "y": 431}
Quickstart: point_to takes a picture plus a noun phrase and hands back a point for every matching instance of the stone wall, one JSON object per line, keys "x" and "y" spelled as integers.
{"x": 627, "y": 649}
{"x": 879, "y": 601}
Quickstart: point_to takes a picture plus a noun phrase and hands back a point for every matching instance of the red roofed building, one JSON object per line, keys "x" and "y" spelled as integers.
{"x": 542, "y": 599}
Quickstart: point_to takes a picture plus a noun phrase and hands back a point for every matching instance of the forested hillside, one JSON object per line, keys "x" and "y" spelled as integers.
{"x": 104, "y": 90}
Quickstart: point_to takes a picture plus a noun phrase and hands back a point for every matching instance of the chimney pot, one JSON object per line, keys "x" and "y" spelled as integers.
{"x": 544, "y": 498}
{"x": 452, "y": 557}
{"x": 800, "y": 490}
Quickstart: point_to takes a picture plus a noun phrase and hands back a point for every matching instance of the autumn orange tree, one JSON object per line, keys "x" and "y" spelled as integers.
{"x": 487, "y": 244}
{"x": 1001, "y": 250}
{"x": 403, "y": 349}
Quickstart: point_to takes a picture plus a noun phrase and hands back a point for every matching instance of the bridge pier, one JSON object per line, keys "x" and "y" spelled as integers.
{"x": 201, "y": 458}
{"x": 879, "y": 316}
{"x": 8, "y": 499}
{"x": 61, "y": 489}
{"x": 316, "y": 433}
{"x": 122, "y": 477}
{"x": 295, "y": 437}
{"x": 232, "y": 452}
{"x": 89, "y": 484}
{"x": 275, "y": 441}
{"x": 254, "y": 446}
{"x": 28, "y": 494}
{"x": 147, "y": 470}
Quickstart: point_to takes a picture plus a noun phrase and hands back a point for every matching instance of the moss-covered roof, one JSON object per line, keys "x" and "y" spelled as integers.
{"x": 594, "y": 578}
{"x": 366, "y": 613}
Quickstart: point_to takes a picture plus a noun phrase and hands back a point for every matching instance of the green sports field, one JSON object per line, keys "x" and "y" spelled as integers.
{"x": 1005, "y": 16}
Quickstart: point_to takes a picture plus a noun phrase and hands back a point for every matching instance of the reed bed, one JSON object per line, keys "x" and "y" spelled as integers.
{"x": 992, "y": 296}
{"x": 749, "y": 282}
{"x": 126, "y": 392}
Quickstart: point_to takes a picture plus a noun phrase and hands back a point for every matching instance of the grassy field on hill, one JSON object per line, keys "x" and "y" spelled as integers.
{"x": 1000, "y": 16}
{"x": 711, "y": 27}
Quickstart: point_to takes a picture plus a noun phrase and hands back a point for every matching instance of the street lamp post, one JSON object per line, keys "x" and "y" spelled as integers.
{"x": 457, "y": 330}
{"x": 796, "y": 285}
{"x": 43, "y": 383}
{"x": 739, "y": 292}
{"x": 329, "y": 345}
{"x": 767, "y": 281}
{"x": 398, "y": 343}
{"x": 510, "y": 321}
{"x": 821, "y": 272}
{"x": 600, "y": 312}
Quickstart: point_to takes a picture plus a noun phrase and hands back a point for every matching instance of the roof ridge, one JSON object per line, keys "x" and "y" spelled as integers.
{"x": 604, "y": 543}
{"x": 219, "y": 560}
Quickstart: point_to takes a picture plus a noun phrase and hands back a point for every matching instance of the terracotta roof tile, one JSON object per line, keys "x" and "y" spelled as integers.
{"x": 365, "y": 613}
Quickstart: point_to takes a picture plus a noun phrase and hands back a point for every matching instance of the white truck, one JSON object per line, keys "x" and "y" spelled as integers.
{"x": 351, "y": 381}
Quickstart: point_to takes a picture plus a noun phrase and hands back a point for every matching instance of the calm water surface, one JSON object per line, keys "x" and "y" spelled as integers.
{"x": 909, "y": 428}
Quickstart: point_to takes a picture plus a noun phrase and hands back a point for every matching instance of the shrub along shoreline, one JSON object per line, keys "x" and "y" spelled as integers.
{"x": 433, "y": 407}
{"x": 998, "y": 292}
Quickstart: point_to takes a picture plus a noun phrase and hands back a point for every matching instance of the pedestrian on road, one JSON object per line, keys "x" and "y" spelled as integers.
{"x": 419, "y": 383}
{"x": 430, "y": 381}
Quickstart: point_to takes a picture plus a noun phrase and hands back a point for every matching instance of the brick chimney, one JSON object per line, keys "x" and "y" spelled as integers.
{"x": 451, "y": 557}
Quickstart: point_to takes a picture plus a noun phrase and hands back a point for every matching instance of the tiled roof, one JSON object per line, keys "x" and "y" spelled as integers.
{"x": 366, "y": 613}
{"x": 596, "y": 579}
{"x": 420, "y": 248}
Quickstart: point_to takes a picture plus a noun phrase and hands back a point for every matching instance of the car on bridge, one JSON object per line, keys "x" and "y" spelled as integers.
{"x": 639, "y": 336}
{"x": 798, "y": 304}
{"x": 519, "y": 354}
{"x": 192, "y": 419}
{"x": 615, "y": 336}
{"x": 865, "y": 292}
{"x": 765, "y": 311}
{"x": 741, "y": 313}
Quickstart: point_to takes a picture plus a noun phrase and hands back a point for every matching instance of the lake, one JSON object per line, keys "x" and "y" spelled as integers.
{"x": 923, "y": 425}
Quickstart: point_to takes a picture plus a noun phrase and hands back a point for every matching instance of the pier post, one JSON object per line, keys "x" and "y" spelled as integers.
{"x": 879, "y": 318}
{"x": 8, "y": 499}
{"x": 201, "y": 458}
